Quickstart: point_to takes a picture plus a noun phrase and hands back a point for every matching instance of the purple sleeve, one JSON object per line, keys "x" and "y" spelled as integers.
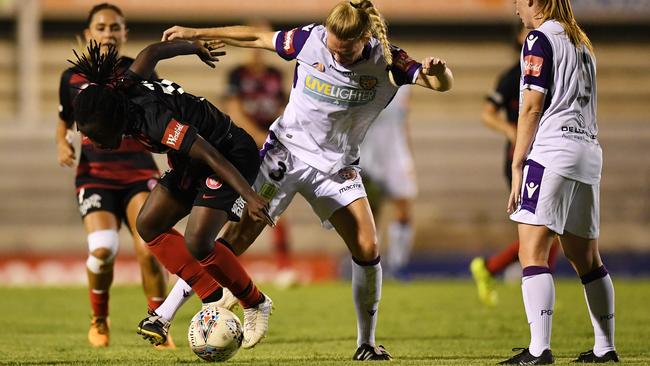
{"x": 537, "y": 62}
{"x": 288, "y": 44}
{"x": 404, "y": 69}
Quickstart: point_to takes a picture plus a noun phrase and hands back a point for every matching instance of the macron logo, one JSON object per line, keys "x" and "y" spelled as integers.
{"x": 174, "y": 134}
{"x": 531, "y": 188}
{"x": 530, "y": 41}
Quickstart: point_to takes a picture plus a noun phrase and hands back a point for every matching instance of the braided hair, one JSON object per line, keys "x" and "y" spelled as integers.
{"x": 100, "y": 107}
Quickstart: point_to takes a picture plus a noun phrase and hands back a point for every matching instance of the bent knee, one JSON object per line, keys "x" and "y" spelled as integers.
{"x": 102, "y": 248}
{"x": 146, "y": 228}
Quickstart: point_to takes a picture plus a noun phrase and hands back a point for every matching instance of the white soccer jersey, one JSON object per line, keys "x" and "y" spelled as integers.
{"x": 566, "y": 139}
{"x": 331, "y": 106}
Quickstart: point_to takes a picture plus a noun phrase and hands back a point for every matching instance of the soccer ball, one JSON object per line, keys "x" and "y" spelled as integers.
{"x": 215, "y": 334}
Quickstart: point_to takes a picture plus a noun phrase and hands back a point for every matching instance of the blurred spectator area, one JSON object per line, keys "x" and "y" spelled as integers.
{"x": 463, "y": 194}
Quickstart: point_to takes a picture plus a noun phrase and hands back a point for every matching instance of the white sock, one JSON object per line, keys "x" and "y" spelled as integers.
{"x": 599, "y": 294}
{"x": 180, "y": 293}
{"x": 400, "y": 236}
{"x": 539, "y": 298}
{"x": 366, "y": 292}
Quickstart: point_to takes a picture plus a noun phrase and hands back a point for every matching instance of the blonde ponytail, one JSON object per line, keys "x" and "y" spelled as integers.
{"x": 561, "y": 11}
{"x": 357, "y": 18}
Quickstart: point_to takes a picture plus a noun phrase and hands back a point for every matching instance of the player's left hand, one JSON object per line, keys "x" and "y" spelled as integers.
{"x": 515, "y": 192}
{"x": 208, "y": 51}
{"x": 258, "y": 209}
{"x": 433, "y": 66}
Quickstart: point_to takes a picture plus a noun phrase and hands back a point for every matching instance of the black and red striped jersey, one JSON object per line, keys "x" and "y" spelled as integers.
{"x": 111, "y": 169}
{"x": 260, "y": 93}
{"x": 166, "y": 119}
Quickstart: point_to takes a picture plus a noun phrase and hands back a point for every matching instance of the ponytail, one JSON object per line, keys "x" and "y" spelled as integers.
{"x": 561, "y": 11}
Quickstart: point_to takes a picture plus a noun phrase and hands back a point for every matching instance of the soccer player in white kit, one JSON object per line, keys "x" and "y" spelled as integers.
{"x": 346, "y": 73}
{"x": 389, "y": 174}
{"x": 556, "y": 176}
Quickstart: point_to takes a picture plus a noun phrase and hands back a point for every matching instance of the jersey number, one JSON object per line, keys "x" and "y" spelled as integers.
{"x": 277, "y": 175}
{"x": 584, "y": 80}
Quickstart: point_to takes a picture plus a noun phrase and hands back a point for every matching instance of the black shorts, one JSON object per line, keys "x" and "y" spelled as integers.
{"x": 196, "y": 184}
{"x": 93, "y": 199}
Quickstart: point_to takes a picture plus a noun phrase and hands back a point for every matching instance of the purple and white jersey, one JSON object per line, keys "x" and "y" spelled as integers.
{"x": 331, "y": 106}
{"x": 566, "y": 141}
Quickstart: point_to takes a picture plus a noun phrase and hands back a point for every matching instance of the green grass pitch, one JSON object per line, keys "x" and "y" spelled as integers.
{"x": 421, "y": 323}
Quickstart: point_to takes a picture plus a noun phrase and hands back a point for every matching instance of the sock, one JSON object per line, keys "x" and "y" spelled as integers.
{"x": 99, "y": 302}
{"x": 281, "y": 245}
{"x": 539, "y": 298}
{"x": 180, "y": 293}
{"x": 399, "y": 249}
{"x": 366, "y": 292}
{"x": 224, "y": 267}
{"x": 169, "y": 248}
{"x": 599, "y": 294}
{"x": 500, "y": 261}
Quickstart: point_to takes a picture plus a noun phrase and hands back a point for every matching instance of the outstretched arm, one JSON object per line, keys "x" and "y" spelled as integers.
{"x": 257, "y": 206}
{"x": 238, "y": 36}
{"x": 146, "y": 61}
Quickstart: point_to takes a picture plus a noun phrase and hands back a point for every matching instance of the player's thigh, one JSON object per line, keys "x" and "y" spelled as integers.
{"x": 534, "y": 245}
{"x": 100, "y": 220}
{"x": 133, "y": 207}
{"x": 160, "y": 212}
{"x": 356, "y": 226}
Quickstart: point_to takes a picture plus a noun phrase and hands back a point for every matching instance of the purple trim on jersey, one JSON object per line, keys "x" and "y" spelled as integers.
{"x": 295, "y": 75}
{"x": 404, "y": 68}
{"x": 535, "y": 270}
{"x": 537, "y": 61}
{"x": 532, "y": 186}
{"x": 268, "y": 144}
{"x": 288, "y": 44}
{"x": 594, "y": 275}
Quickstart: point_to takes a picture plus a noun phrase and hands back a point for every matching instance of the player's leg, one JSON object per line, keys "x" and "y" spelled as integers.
{"x": 400, "y": 236}
{"x": 580, "y": 244}
{"x": 103, "y": 244}
{"x": 356, "y": 226}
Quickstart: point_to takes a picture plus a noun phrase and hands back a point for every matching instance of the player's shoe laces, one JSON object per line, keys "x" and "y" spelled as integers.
{"x": 99, "y": 332}
{"x": 590, "y": 357}
{"x": 366, "y": 352}
{"x": 484, "y": 282}
{"x": 525, "y": 358}
{"x": 154, "y": 329}
{"x": 227, "y": 301}
{"x": 256, "y": 322}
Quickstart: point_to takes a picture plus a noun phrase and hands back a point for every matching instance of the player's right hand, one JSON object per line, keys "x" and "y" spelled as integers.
{"x": 208, "y": 51}
{"x": 178, "y": 32}
{"x": 65, "y": 154}
{"x": 258, "y": 209}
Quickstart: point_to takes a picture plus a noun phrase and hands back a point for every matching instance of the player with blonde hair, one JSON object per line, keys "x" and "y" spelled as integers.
{"x": 346, "y": 73}
{"x": 556, "y": 172}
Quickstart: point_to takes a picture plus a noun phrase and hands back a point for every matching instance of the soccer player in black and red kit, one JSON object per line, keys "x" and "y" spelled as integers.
{"x": 213, "y": 164}
{"x": 504, "y": 98}
{"x": 255, "y": 98}
{"x": 111, "y": 186}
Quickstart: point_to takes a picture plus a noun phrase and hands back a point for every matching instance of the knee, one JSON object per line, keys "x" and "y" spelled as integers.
{"x": 102, "y": 248}
{"x": 146, "y": 229}
{"x": 367, "y": 249}
{"x": 198, "y": 245}
{"x": 239, "y": 240}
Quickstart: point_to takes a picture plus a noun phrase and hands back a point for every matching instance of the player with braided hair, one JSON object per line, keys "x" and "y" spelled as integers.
{"x": 346, "y": 73}
{"x": 214, "y": 163}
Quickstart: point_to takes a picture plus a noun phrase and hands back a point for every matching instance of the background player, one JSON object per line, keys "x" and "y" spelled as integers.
{"x": 255, "y": 98}
{"x": 556, "y": 173}
{"x": 111, "y": 186}
{"x": 346, "y": 73}
{"x": 389, "y": 173}
{"x": 500, "y": 113}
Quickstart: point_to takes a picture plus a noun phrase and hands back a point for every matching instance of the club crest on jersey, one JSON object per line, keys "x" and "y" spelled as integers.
{"x": 213, "y": 183}
{"x": 367, "y": 82}
{"x": 533, "y": 65}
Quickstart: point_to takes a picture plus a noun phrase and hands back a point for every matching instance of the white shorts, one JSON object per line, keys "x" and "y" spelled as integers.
{"x": 387, "y": 161}
{"x": 282, "y": 174}
{"x": 559, "y": 203}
